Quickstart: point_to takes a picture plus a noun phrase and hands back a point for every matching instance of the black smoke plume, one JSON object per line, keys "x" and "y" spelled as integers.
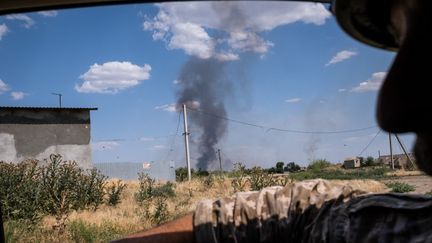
{"x": 204, "y": 87}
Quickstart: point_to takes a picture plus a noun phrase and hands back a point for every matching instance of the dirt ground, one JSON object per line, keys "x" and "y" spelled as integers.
{"x": 421, "y": 183}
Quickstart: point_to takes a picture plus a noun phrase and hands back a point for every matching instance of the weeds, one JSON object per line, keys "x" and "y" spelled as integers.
{"x": 239, "y": 175}
{"x": 66, "y": 188}
{"x": 150, "y": 194}
{"x": 81, "y": 231}
{"x": 400, "y": 187}
{"x": 21, "y": 194}
{"x": 114, "y": 192}
{"x": 30, "y": 191}
{"x": 259, "y": 179}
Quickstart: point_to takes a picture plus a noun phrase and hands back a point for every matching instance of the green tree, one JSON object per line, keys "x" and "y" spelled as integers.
{"x": 369, "y": 161}
{"x": 182, "y": 174}
{"x": 292, "y": 167}
{"x": 279, "y": 167}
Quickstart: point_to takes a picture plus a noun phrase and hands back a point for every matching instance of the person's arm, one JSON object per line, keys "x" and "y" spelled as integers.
{"x": 177, "y": 231}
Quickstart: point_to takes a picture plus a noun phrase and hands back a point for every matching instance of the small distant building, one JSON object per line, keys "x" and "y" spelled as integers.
{"x": 37, "y": 132}
{"x": 400, "y": 160}
{"x": 352, "y": 162}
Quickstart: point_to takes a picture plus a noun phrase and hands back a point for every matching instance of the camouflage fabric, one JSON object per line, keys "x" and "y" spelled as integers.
{"x": 314, "y": 211}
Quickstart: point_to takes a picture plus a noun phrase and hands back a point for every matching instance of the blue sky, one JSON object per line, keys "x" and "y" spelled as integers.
{"x": 289, "y": 64}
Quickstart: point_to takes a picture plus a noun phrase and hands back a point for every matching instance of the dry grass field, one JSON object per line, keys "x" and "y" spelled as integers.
{"x": 108, "y": 222}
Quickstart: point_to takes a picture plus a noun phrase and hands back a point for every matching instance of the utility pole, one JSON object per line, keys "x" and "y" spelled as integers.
{"x": 220, "y": 162}
{"x": 60, "y": 98}
{"x": 403, "y": 148}
{"x": 186, "y": 135}
{"x": 391, "y": 151}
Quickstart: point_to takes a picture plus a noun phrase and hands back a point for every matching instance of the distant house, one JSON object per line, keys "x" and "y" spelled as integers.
{"x": 352, "y": 162}
{"x": 37, "y": 132}
{"x": 400, "y": 160}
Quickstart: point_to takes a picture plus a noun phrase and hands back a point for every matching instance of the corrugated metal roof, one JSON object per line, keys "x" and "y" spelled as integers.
{"x": 46, "y": 108}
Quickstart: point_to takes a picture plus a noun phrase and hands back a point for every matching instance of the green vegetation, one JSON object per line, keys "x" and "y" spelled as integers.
{"x": 375, "y": 173}
{"x": 280, "y": 167}
{"x": 292, "y": 167}
{"x": 239, "y": 174}
{"x": 318, "y": 165}
{"x": 81, "y": 231}
{"x": 114, "y": 192}
{"x": 182, "y": 175}
{"x": 153, "y": 197}
{"x": 369, "y": 161}
{"x": 259, "y": 178}
{"x": 31, "y": 190}
{"x": 63, "y": 190}
{"x": 400, "y": 187}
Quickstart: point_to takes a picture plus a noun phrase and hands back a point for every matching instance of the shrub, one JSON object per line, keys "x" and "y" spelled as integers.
{"x": 369, "y": 161}
{"x": 20, "y": 194}
{"x": 29, "y": 191}
{"x": 259, "y": 179}
{"x": 292, "y": 167}
{"x": 149, "y": 193}
{"x": 114, "y": 192}
{"x": 319, "y": 164}
{"x": 181, "y": 174}
{"x": 161, "y": 213}
{"x": 400, "y": 187}
{"x": 239, "y": 177}
{"x": 146, "y": 186}
{"x": 66, "y": 188}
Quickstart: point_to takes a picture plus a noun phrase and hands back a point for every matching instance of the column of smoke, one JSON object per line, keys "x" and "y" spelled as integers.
{"x": 204, "y": 86}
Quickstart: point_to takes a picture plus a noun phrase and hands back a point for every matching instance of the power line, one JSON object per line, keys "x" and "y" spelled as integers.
{"x": 281, "y": 129}
{"x": 370, "y": 142}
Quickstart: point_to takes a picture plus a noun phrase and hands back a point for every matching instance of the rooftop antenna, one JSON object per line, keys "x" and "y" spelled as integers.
{"x": 60, "y": 98}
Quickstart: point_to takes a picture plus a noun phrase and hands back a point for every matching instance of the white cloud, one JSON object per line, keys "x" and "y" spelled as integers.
{"x": 193, "y": 39}
{"x": 167, "y": 107}
{"x": 372, "y": 84}
{"x": 28, "y": 22}
{"x": 176, "y": 81}
{"x": 51, "y": 13}
{"x": 293, "y": 100}
{"x": 104, "y": 145}
{"x": 112, "y": 77}
{"x": 3, "y": 87}
{"x": 3, "y": 30}
{"x": 224, "y": 30}
{"x": 341, "y": 56}
{"x": 227, "y": 57}
{"x": 18, "y": 95}
{"x": 341, "y": 90}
